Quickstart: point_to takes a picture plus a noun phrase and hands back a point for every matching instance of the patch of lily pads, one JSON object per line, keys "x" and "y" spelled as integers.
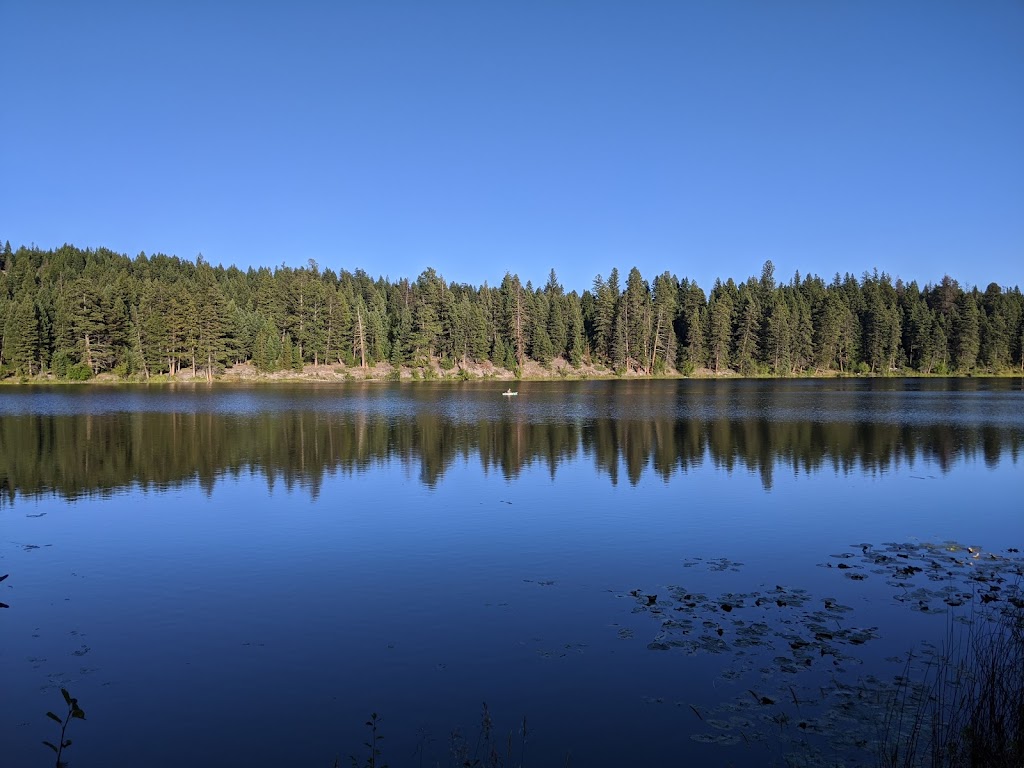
{"x": 796, "y": 660}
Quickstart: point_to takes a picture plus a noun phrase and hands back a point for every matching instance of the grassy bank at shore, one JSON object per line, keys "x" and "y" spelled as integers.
{"x": 558, "y": 369}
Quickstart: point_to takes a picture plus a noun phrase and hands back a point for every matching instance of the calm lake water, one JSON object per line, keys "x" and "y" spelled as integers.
{"x": 647, "y": 571}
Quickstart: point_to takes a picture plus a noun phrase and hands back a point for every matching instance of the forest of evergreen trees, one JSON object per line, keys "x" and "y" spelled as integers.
{"x": 77, "y": 313}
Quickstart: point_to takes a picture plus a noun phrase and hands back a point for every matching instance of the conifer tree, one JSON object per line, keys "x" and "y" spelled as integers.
{"x": 212, "y": 329}
{"x": 778, "y": 344}
{"x": 665, "y": 303}
{"x": 267, "y": 347}
{"x": 576, "y": 345}
{"x": 748, "y": 323}
{"x": 966, "y": 333}
{"x": 516, "y": 318}
{"x": 719, "y": 328}
{"x": 557, "y": 319}
{"x": 21, "y": 337}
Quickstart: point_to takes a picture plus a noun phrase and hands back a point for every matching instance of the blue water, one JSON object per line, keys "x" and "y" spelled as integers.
{"x": 257, "y": 611}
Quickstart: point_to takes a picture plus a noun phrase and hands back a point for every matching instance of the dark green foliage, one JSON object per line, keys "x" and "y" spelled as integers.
{"x": 515, "y": 313}
{"x": 801, "y": 331}
{"x": 267, "y": 347}
{"x": 777, "y": 350}
{"x": 558, "y": 316}
{"x": 213, "y": 330}
{"x": 697, "y": 326}
{"x": 720, "y": 312}
{"x": 80, "y": 313}
{"x": 606, "y": 297}
{"x": 21, "y": 337}
{"x": 881, "y": 323}
{"x": 635, "y": 323}
{"x": 79, "y": 372}
{"x": 691, "y": 326}
{"x": 966, "y": 333}
{"x": 576, "y": 330}
{"x": 747, "y": 316}
{"x": 1000, "y": 316}
{"x": 541, "y": 350}
{"x": 665, "y": 302}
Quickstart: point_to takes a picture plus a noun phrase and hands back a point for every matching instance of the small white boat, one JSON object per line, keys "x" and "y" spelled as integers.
{"x": 509, "y": 393}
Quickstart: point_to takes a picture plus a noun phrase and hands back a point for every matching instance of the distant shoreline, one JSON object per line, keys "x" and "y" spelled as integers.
{"x": 386, "y": 373}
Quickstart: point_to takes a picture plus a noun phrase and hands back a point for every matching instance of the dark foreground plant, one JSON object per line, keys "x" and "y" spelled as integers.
{"x": 373, "y": 760}
{"x": 74, "y": 713}
{"x": 488, "y": 751}
{"x": 965, "y": 707}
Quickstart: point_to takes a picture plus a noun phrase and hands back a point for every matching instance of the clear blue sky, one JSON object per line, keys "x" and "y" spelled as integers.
{"x": 485, "y": 137}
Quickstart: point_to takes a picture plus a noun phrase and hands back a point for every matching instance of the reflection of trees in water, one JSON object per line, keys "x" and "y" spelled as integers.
{"x": 72, "y": 455}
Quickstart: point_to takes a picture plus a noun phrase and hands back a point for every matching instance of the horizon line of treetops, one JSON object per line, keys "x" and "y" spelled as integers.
{"x": 77, "y": 313}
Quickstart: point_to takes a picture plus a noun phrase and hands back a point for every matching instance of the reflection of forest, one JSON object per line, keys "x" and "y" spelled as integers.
{"x": 74, "y": 455}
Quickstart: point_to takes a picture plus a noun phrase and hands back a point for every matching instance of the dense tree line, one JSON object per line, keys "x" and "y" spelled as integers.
{"x": 77, "y": 313}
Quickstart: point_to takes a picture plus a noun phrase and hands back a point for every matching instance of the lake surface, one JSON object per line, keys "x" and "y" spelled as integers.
{"x": 666, "y": 571}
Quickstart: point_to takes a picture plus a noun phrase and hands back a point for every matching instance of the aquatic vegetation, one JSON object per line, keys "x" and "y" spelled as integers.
{"x": 795, "y": 659}
{"x": 962, "y": 704}
{"x": 488, "y": 751}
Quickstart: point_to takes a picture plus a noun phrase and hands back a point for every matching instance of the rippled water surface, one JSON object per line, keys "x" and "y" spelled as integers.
{"x": 241, "y": 575}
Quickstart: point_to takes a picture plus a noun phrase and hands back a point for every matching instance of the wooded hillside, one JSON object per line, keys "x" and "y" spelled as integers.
{"x": 78, "y": 313}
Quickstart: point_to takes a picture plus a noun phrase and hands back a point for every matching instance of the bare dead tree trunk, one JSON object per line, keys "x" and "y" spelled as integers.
{"x": 654, "y": 346}
{"x": 142, "y": 354}
{"x": 88, "y": 354}
{"x": 520, "y": 341}
{"x": 361, "y": 336}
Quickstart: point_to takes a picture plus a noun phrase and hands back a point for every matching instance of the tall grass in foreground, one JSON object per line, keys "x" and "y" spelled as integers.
{"x": 488, "y": 751}
{"x": 964, "y": 708}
